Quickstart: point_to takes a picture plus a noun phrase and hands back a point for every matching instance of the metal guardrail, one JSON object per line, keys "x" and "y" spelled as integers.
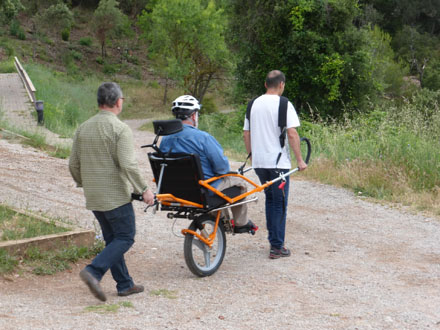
{"x": 30, "y": 89}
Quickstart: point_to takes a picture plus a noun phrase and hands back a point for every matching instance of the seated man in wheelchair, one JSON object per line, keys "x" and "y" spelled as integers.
{"x": 213, "y": 161}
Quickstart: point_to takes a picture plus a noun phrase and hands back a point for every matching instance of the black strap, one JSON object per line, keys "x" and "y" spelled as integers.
{"x": 248, "y": 111}
{"x": 241, "y": 169}
{"x": 282, "y": 119}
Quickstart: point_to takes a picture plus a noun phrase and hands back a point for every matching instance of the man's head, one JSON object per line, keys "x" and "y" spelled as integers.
{"x": 186, "y": 108}
{"x": 275, "y": 81}
{"x": 110, "y": 97}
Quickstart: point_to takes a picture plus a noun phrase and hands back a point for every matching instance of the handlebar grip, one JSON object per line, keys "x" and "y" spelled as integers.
{"x": 309, "y": 149}
{"x": 137, "y": 197}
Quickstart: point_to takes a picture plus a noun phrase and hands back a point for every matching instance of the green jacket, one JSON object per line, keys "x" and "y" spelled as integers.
{"x": 103, "y": 162}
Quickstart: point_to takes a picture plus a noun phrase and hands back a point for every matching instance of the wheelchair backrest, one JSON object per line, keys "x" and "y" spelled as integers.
{"x": 180, "y": 177}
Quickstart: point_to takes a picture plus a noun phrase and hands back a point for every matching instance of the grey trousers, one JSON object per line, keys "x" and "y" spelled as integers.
{"x": 239, "y": 212}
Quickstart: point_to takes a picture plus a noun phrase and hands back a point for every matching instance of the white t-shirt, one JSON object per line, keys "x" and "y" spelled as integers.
{"x": 265, "y": 132}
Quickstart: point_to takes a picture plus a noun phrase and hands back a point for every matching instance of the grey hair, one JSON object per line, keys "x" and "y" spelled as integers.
{"x": 108, "y": 94}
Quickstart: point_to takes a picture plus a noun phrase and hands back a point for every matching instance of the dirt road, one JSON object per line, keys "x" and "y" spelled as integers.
{"x": 355, "y": 264}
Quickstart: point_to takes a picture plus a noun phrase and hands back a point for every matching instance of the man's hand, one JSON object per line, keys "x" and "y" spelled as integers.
{"x": 302, "y": 165}
{"x": 148, "y": 197}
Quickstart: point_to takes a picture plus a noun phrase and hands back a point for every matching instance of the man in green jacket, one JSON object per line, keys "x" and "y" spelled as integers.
{"x": 103, "y": 163}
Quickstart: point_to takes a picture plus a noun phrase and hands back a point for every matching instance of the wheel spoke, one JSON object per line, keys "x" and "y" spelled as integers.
{"x": 199, "y": 244}
{"x": 207, "y": 255}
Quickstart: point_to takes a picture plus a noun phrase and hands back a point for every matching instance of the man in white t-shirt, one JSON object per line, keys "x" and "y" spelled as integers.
{"x": 261, "y": 136}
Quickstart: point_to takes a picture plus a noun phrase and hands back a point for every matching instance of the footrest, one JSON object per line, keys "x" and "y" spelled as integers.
{"x": 250, "y": 228}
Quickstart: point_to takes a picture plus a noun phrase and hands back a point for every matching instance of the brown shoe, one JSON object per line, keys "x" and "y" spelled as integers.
{"x": 134, "y": 289}
{"x": 93, "y": 284}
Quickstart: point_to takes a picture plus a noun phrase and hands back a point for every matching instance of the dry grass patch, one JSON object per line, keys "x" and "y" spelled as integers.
{"x": 374, "y": 179}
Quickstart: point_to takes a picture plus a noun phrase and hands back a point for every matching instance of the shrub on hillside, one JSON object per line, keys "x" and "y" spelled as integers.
{"x": 208, "y": 105}
{"x": 65, "y": 34}
{"x": 85, "y": 41}
{"x": 16, "y": 30}
{"x": 56, "y": 16}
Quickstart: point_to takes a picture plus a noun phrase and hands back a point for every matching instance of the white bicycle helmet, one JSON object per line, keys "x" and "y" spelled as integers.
{"x": 184, "y": 106}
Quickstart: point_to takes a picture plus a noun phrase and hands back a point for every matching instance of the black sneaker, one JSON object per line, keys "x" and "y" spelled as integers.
{"x": 278, "y": 253}
{"x": 250, "y": 227}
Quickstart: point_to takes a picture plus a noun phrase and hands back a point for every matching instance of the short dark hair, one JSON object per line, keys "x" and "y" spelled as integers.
{"x": 108, "y": 94}
{"x": 274, "y": 78}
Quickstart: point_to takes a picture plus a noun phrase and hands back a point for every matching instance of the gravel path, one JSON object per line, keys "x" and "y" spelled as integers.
{"x": 355, "y": 264}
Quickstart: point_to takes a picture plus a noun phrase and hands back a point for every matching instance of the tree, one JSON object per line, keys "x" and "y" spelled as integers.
{"x": 9, "y": 10}
{"x": 108, "y": 21}
{"x": 326, "y": 59}
{"x": 57, "y": 16}
{"x": 397, "y": 13}
{"x": 187, "y": 42}
{"x": 417, "y": 49}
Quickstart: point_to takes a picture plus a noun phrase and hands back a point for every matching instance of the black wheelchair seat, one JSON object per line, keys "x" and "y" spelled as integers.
{"x": 181, "y": 175}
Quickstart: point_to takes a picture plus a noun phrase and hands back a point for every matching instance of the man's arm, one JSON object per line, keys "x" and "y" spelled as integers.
{"x": 294, "y": 142}
{"x": 74, "y": 162}
{"x": 214, "y": 153}
{"x": 247, "y": 141}
{"x": 128, "y": 164}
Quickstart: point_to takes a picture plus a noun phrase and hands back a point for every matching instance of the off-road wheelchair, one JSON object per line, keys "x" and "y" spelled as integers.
{"x": 183, "y": 192}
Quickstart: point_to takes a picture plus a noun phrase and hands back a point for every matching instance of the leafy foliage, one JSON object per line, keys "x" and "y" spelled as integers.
{"x": 187, "y": 42}
{"x": 326, "y": 59}
{"x": 58, "y": 16}
{"x": 418, "y": 50}
{"x": 108, "y": 21}
{"x": 9, "y": 9}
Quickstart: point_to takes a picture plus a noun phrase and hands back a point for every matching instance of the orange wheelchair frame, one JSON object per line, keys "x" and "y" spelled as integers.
{"x": 207, "y": 206}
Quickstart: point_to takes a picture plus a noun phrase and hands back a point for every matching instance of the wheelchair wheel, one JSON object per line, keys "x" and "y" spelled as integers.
{"x": 201, "y": 259}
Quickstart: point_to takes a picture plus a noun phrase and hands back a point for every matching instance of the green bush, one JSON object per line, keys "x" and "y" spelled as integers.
{"x": 8, "y": 49}
{"x": 109, "y": 68}
{"x": 16, "y": 30}
{"x": 7, "y": 262}
{"x": 76, "y": 55}
{"x": 58, "y": 17}
{"x": 153, "y": 84}
{"x": 208, "y": 105}
{"x": 85, "y": 41}
{"x": 65, "y": 34}
{"x": 21, "y": 35}
{"x": 99, "y": 60}
{"x": 7, "y": 66}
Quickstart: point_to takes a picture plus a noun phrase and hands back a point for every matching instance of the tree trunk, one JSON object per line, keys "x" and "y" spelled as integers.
{"x": 165, "y": 94}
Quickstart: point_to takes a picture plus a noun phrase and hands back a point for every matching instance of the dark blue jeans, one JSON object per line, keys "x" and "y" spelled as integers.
{"x": 118, "y": 228}
{"x": 276, "y": 205}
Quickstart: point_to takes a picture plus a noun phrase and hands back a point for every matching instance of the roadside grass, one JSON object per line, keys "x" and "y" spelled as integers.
{"x": 33, "y": 140}
{"x": 15, "y": 226}
{"x": 47, "y": 262}
{"x": 8, "y": 66}
{"x": 391, "y": 154}
{"x": 70, "y": 100}
{"x": 169, "y": 294}
{"x": 108, "y": 308}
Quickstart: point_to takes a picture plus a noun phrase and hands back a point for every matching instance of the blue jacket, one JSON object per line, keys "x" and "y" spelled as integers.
{"x": 194, "y": 141}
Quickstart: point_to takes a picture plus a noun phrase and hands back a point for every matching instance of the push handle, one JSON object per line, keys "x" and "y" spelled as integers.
{"x": 137, "y": 197}
{"x": 309, "y": 149}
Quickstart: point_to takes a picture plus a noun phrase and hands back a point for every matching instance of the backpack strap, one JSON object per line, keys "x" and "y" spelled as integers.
{"x": 248, "y": 110}
{"x": 282, "y": 119}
